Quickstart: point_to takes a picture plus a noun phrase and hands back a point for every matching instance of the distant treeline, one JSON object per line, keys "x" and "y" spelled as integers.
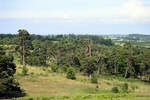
{"x": 13, "y": 38}
{"x": 137, "y": 37}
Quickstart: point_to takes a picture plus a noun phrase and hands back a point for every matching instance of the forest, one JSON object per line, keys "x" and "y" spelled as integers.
{"x": 90, "y": 56}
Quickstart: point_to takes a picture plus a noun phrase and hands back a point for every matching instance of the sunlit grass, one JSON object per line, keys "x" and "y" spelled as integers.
{"x": 44, "y": 84}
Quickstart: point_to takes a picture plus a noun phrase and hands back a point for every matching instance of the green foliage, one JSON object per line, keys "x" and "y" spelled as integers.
{"x": 23, "y": 44}
{"x": 82, "y": 97}
{"x": 91, "y": 65}
{"x": 125, "y": 87}
{"x": 24, "y": 70}
{"x": 9, "y": 87}
{"x": 2, "y": 50}
{"x": 86, "y": 53}
{"x": 92, "y": 90}
{"x": 54, "y": 67}
{"x": 32, "y": 73}
{"x": 7, "y": 67}
{"x": 115, "y": 90}
{"x": 36, "y": 60}
{"x": 71, "y": 73}
{"x": 62, "y": 69}
{"x": 44, "y": 69}
{"x": 134, "y": 87}
{"x": 94, "y": 78}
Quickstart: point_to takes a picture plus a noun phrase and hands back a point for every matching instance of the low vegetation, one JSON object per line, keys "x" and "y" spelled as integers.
{"x": 94, "y": 78}
{"x": 71, "y": 73}
{"x": 55, "y": 86}
{"x": 72, "y": 67}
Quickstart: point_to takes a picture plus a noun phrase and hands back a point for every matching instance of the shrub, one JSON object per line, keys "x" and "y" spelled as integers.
{"x": 71, "y": 73}
{"x": 125, "y": 87}
{"x": 44, "y": 69}
{"x": 31, "y": 99}
{"x": 115, "y": 90}
{"x": 24, "y": 70}
{"x": 32, "y": 73}
{"x": 94, "y": 78}
{"x": 134, "y": 87}
{"x": 64, "y": 69}
{"x": 54, "y": 68}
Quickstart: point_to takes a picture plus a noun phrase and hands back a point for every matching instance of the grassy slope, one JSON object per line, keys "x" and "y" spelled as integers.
{"x": 42, "y": 82}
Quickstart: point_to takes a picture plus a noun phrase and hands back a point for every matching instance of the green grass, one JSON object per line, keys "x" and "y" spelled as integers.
{"x": 83, "y": 97}
{"x": 42, "y": 84}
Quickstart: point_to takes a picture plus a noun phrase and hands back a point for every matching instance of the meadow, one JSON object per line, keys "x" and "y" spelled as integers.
{"x": 43, "y": 84}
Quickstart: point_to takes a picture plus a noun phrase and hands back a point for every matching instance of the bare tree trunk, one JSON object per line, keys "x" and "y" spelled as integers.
{"x": 128, "y": 67}
{"x": 116, "y": 70}
{"x": 100, "y": 65}
{"x": 89, "y": 52}
{"x": 98, "y": 71}
{"x": 148, "y": 78}
{"x": 126, "y": 73}
{"x": 89, "y": 49}
{"x": 58, "y": 55}
{"x": 23, "y": 56}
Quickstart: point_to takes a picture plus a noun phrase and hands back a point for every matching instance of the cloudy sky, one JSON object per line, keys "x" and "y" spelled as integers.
{"x": 75, "y": 16}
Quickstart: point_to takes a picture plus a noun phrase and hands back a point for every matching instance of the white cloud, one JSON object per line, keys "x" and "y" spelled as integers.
{"x": 136, "y": 9}
{"x": 131, "y": 11}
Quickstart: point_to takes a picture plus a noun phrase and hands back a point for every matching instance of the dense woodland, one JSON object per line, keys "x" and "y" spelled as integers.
{"x": 85, "y": 54}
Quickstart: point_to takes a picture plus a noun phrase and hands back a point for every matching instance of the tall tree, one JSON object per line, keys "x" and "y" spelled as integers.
{"x": 8, "y": 86}
{"x": 129, "y": 59}
{"x": 23, "y": 36}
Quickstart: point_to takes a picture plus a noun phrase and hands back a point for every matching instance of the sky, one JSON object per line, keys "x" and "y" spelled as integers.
{"x": 75, "y": 16}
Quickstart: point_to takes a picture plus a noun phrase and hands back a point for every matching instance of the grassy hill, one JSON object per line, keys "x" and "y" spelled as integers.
{"x": 43, "y": 84}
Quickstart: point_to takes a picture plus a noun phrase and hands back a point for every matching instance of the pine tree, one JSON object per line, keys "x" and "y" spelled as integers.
{"x": 23, "y": 36}
{"x": 9, "y": 87}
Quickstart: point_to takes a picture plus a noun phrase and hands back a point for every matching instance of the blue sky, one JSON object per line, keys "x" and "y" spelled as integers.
{"x": 75, "y": 16}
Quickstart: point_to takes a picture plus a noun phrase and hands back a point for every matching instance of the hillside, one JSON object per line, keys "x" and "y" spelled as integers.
{"x": 74, "y": 49}
{"x": 72, "y": 67}
{"x": 136, "y": 39}
{"x": 44, "y": 84}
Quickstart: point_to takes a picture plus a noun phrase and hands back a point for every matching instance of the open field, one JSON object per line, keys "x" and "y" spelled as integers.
{"x": 42, "y": 84}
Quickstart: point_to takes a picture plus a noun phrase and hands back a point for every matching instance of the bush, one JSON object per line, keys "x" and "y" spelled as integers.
{"x": 115, "y": 90}
{"x": 64, "y": 69}
{"x": 54, "y": 68}
{"x": 44, "y": 69}
{"x": 94, "y": 78}
{"x": 134, "y": 87}
{"x": 24, "y": 70}
{"x": 125, "y": 87}
{"x": 32, "y": 73}
{"x": 71, "y": 73}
